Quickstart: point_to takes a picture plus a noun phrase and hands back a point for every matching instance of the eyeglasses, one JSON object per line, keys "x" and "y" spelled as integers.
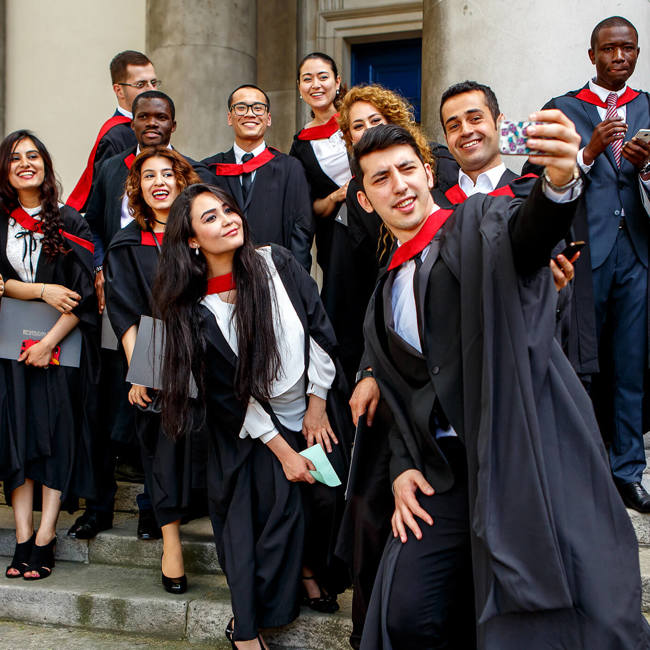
{"x": 156, "y": 83}
{"x": 241, "y": 108}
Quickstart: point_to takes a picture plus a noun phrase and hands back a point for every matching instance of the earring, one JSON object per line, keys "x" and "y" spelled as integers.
{"x": 196, "y": 251}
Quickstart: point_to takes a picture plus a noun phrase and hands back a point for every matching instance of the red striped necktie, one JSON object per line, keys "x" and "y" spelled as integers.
{"x": 612, "y": 113}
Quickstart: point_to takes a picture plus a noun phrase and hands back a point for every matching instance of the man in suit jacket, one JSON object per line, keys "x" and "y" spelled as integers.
{"x": 489, "y": 418}
{"x": 270, "y": 187}
{"x": 131, "y": 73}
{"x": 612, "y": 309}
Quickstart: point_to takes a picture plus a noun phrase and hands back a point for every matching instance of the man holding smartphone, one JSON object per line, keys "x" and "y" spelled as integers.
{"x": 612, "y": 308}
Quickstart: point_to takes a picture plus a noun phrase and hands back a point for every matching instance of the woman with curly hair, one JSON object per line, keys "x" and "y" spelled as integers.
{"x": 46, "y": 409}
{"x": 157, "y": 176}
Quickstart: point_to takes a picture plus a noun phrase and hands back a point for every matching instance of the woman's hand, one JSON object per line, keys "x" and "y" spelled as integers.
{"x": 138, "y": 396}
{"x": 60, "y": 297}
{"x": 38, "y": 355}
{"x": 296, "y": 468}
{"x": 339, "y": 195}
{"x": 316, "y": 425}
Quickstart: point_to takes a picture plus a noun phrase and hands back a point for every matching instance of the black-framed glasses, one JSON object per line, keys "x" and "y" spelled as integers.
{"x": 257, "y": 108}
{"x": 143, "y": 83}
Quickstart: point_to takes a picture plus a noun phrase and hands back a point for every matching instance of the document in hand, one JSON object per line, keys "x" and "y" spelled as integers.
{"x": 324, "y": 471}
{"x": 109, "y": 340}
{"x": 22, "y": 320}
{"x": 146, "y": 361}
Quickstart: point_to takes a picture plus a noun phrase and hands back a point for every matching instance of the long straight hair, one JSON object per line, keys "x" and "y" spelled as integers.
{"x": 180, "y": 284}
{"x": 52, "y": 223}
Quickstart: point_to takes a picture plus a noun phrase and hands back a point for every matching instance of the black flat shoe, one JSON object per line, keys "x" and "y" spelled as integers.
{"x": 148, "y": 526}
{"x": 90, "y": 524}
{"x": 325, "y": 603}
{"x": 41, "y": 561}
{"x": 635, "y": 496}
{"x": 20, "y": 560}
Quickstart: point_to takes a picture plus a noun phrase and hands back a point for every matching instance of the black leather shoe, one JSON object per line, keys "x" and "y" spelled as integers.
{"x": 147, "y": 526}
{"x": 90, "y": 523}
{"x": 174, "y": 585}
{"x": 635, "y": 497}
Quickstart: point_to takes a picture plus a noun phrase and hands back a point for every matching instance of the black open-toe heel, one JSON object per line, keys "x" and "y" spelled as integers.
{"x": 230, "y": 632}
{"x": 20, "y": 560}
{"x": 325, "y": 603}
{"x": 41, "y": 561}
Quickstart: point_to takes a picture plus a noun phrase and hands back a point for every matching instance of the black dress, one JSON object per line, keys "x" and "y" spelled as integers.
{"x": 131, "y": 265}
{"x": 47, "y": 415}
{"x": 261, "y": 521}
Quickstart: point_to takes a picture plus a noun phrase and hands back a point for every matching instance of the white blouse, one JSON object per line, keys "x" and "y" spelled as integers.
{"x": 288, "y": 395}
{"x": 332, "y": 157}
{"x": 24, "y": 247}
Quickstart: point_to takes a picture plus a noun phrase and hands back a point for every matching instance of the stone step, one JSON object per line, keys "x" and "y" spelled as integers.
{"x": 132, "y": 600}
{"x": 120, "y": 545}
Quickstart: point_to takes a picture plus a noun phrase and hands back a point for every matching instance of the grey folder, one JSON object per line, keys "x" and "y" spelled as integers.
{"x": 147, "y": 357}
{"x": 31, "y": 319}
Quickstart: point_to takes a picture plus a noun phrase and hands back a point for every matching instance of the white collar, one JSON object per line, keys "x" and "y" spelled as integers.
{"x": 138, "y": 150}
{"x": 239, "y": 152}
{"x": 125, "y": 112}
{"x": 485, "y": 183}
{"x": 603, "y": 92}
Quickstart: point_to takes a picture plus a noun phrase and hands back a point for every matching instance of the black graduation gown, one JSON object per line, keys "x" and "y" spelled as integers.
{"x": 278, "y": 207}
{"x": 47, "y": 416}
{"x": 130, "y": 271}
{"x": 258, "y": 516}
{"x": 540, "y": 488}
{"x": 105, "y": 202}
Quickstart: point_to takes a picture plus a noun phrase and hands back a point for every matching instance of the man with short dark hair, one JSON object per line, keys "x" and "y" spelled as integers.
{"x": 612, "y": 311}
{"x": 131, "y": 73}
{"x": 270, "y": 187}
{"x": 489, "y": 419}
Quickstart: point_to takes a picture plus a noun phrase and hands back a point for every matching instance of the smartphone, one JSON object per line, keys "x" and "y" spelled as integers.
{"x": 513, "y": 138}
{"x": 573, "y": 248}
{"x": 643, "y": 135}
{"x": 56, "y": 352}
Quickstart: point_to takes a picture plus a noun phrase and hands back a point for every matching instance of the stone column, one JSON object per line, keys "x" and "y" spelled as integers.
{"x": 202, "y": 49}
{"x": 527, "y": 52}
{"x": 3, "y": 40}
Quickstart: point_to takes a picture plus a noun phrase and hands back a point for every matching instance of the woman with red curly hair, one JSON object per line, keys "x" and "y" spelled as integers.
{"x": 46, "y": 409}
{"x": 157, "y": 176}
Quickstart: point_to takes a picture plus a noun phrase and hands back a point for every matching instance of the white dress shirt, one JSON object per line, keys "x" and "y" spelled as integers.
{"x": 485, "y": 183}
{"x": 288, "y": 395}
{"x": 239, "y": 154}
{"x": 332, "y": 156}
{"x": 23, "y": 251}
{"x": 124, "y": 112}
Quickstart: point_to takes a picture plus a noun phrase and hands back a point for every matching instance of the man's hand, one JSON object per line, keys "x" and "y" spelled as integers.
{"x": 637, "y": 152}
{"x": 563, "y": 270}
{"x": 558, "y": 142}
{"x": 406, "y": 504}
{"x": 604, "y": 134}
{"x": 364, "y": 400}
{"x": 99, "y": 290}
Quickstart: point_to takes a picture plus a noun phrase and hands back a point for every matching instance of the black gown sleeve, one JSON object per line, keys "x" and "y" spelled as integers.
{"x": 297, "y": 202}
{"x": 95, "y": 214}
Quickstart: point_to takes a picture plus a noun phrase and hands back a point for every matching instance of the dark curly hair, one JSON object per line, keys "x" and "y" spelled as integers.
{"x": 183, "y": 171}
{"x": 52, "y": 223}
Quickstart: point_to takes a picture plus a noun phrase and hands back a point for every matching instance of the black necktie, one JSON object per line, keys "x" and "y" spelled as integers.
{"x": 416, "y": 293}
{"x": 246, "y": 181}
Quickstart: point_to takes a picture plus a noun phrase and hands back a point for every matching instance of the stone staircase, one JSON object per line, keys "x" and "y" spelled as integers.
{"x": 112, "y": 584}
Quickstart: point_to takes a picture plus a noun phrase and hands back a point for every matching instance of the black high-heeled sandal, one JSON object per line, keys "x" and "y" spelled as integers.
{"x": 325, "y": 603}
{"x": 20, "y": 560}
{"x": 41, "y": 561}
{"x": 230, "y": 633}
{"x": 176, "y": 586}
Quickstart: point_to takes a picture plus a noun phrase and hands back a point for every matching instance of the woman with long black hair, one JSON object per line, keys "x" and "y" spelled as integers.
{"x": 156, "y": 178}
{"x": 248, "y": 325}
{"x": 46, "y": 410}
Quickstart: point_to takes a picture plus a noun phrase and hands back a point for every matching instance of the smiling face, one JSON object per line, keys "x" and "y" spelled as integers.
{"x": 218, "y": 230}
{"x": 614, "y": 56}
{"x": 471, "y": 132}
{"x": 363, "y": 116}
{"x": 26, "y": 167}
{"x": 249, "y": 128}
{"x": 317, "y": 84}
{"x": 158, "y": 183}
{"x": 398, "y": 186}
{"x": 152, "y": 122}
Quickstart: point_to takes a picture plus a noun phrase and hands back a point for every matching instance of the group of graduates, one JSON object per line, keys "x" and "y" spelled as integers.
{"x": 446, "y": 367}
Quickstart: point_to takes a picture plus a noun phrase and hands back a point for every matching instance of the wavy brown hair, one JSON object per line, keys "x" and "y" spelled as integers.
{"x": 184, "y": 172}
{"x": 52, "y": 223}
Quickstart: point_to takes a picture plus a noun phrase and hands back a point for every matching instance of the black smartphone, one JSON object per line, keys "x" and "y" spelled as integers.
{"x": 573, "y": 248}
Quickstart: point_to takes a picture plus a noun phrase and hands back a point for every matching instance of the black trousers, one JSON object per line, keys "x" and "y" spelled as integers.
{"x": 431, "y": 601}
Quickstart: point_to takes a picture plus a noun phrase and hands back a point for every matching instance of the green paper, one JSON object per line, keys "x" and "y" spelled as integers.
{"x": 324, "y": 471}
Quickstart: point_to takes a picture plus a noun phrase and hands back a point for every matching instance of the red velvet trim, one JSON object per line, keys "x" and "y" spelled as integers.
{"x": 456, "y": 195}
{"x": 220, "y": 283}
{"x": 235, "y": 169}
{"x": 591, "y": 97}
{"x": 128, "y": 161}
{"x": 29, "y": 223}
{"x": 146, "y": 238}
{"x": 321, "y": 131}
